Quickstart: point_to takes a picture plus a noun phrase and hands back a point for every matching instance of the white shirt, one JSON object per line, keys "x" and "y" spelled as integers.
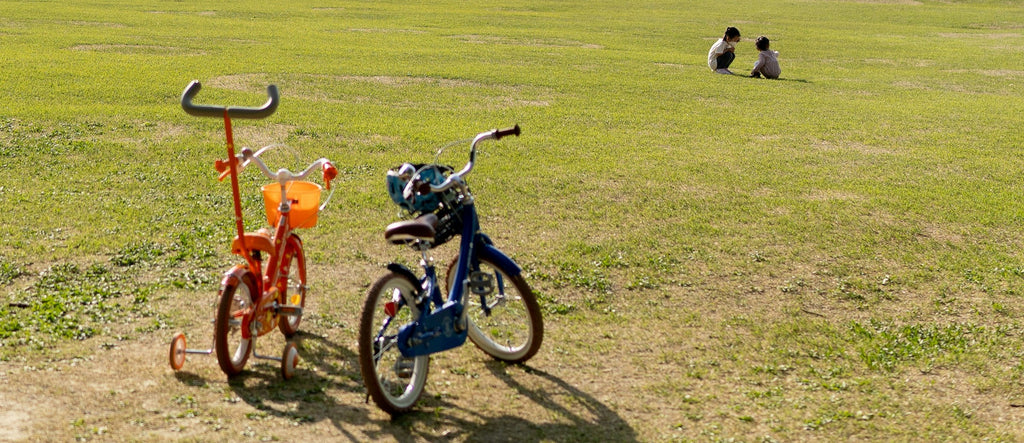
{"x": 716, "y": 50}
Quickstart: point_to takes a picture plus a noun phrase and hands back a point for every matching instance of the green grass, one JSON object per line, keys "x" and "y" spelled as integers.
{"x": 808, "y": 258}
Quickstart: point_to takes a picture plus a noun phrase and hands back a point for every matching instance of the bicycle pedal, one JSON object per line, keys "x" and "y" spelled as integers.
{"x": 481, "y": 283}
{"x": 289, "y": 310}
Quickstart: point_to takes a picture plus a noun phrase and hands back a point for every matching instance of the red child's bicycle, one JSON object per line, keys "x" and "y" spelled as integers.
{"x": 269, "y": 291}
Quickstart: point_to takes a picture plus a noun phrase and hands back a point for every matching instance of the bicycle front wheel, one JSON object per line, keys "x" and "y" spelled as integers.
{"x": 394, "y": 382}
{"x": 510, "y": 329}
{"x": 296, "y": 293}
{"x": 236, "y": 301}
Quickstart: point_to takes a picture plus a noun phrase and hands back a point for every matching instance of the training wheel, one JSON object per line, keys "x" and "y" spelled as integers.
{"x": 289, "y": 360}
{"x": 177, "y": 355}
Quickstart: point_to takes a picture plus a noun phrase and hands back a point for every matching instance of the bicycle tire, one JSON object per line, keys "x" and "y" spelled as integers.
{"x": 177, "y": 354}
{"x": 502, "y": 334}
{"x": 296, "y": 293}
{"x": 395, "y": 383}
{"x": 235, "y": 302}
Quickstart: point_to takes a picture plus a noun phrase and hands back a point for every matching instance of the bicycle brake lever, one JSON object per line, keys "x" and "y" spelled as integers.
{"x": 222, "y": 167}
{"x": 330, "y": 172}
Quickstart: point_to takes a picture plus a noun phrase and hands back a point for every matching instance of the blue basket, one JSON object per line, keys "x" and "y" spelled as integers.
{"x": 446, "y": 205}
{"x": 417, "y": 204}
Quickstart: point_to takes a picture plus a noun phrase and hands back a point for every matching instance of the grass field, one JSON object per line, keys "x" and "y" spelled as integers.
{"x": 831, "y": 256}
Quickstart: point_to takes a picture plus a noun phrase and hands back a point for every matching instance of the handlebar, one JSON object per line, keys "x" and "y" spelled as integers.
{"x": 499, "y": 133}
{"x": 456, "y": 178}
{"x": 282, "y": 175}
{"x": 233, "y": 111}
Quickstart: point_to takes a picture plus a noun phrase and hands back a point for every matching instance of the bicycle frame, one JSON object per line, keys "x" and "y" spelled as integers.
{"x": 444, "y": 327}
{"x": 263, "y": 302}
{"x": 506, "y": 324}
{"x": 248, "y": 245}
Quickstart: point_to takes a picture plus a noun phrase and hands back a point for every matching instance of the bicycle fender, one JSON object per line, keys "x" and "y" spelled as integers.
{"x": 499, "y": 258}
{"x": 486, "y": 239}
{"x": 234, "y": 275}
{"x": 400, "y": 269}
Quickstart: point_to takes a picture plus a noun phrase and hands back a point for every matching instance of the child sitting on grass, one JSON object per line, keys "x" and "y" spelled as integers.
{"x": 767, "y": 60}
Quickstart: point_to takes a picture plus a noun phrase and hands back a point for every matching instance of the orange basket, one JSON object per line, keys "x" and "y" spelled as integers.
{"x": 305, "y": 198}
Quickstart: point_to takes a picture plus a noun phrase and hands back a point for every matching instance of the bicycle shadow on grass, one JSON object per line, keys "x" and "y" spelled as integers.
{"x": 310, "y": 397}
{"x": 571, "y": 413}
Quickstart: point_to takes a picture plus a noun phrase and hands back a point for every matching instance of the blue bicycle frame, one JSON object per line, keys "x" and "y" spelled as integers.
{"x": 505, "y": 323}
{"x": 445, "y": 327}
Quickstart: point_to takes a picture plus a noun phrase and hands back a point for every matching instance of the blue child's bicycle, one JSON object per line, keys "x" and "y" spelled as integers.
{"x": 406, "y": 318}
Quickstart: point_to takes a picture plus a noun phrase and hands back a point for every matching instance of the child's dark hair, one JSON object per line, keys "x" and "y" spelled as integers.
{"x": 762, "y": 43}
{"x": 731, "y": 32}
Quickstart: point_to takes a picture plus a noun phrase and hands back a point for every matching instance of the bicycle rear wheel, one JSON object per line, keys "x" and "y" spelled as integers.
{"x": 236, "y": 301}
{"x": 394, "y": 382}
{"x": 513, "y": 329}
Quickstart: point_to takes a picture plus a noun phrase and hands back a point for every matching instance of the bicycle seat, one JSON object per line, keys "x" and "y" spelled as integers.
{"x": 421, "y": 228}
{"x": 255, "y": 241}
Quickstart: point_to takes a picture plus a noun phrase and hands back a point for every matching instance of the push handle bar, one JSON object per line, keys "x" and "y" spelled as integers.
{"x": 233, "y": 111}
